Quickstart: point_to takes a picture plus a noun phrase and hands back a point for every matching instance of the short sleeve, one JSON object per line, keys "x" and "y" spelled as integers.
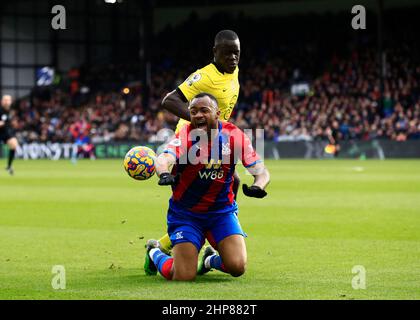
{"x": 244, "y": 148}
{"x": 178, "y": 145}
{"x": 196, "y": 83}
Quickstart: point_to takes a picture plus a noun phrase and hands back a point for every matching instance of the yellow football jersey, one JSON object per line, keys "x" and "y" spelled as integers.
{"x": 223, "y": 86}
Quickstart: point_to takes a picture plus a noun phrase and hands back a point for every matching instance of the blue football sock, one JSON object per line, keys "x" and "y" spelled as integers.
{"x": 217, "y": 263}
{"x": 162, "y": 261}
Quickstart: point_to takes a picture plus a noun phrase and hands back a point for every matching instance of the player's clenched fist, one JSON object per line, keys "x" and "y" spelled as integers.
{"x": 166, "y": 179}
{"x": 253, "y": 191}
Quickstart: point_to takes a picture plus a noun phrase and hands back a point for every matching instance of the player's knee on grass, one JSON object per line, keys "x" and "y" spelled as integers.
{"x": 184, "y": 276}
{"x": 185, "y": 262}
{"x": 232, "y": 250}
{"x": 235, "y": 266}
{"x": 184, "y": 271}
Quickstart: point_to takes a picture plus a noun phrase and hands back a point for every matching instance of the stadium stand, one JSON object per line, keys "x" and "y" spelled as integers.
{"x": 339, "y": 89}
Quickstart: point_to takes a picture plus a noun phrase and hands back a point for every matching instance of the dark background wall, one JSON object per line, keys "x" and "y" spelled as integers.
{"x": 96, "y": 33}
{"x": 99, "y": 32}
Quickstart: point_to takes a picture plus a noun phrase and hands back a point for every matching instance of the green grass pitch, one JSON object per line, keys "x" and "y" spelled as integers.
{"x": 321, "y": 219}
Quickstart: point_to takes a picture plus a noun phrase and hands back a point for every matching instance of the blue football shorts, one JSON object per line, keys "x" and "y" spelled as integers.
{"x": 187, "y": 226}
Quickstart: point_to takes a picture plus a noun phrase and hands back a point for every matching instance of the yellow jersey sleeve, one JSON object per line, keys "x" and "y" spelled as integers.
{"x": 196, "y": 83}
{"x": 223, "y": 86}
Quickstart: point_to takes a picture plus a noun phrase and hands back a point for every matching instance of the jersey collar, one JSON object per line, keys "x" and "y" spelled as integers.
{"x": 218, "y": 68}
{"x": 224, "y": 73}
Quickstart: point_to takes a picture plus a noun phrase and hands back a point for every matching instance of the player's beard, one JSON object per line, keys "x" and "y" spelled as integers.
{"x": 206, "y": 126}
{"x": 231, "y": 67}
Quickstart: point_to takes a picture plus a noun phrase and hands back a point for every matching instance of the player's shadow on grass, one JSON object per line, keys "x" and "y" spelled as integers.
{"x": 211, "y": 277}
{"x": 133, "y": 277}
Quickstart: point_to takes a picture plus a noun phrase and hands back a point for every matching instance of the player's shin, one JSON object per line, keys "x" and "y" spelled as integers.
{"x": 11, "y": 157}
{"x": 163, "y": 262}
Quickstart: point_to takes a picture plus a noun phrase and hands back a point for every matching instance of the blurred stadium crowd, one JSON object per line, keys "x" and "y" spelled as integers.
{"x": 338, "y": 71}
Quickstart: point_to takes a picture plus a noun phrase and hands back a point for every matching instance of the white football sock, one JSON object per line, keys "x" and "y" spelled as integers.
{"x": 207, "y": 261}
{"x": 152, "y": 252}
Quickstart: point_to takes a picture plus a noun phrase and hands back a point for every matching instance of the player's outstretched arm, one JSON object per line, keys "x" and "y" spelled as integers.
{"x": 174, "y": 104}
{"x": 163, "y": 163}
{"x": 261, "y": 180}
